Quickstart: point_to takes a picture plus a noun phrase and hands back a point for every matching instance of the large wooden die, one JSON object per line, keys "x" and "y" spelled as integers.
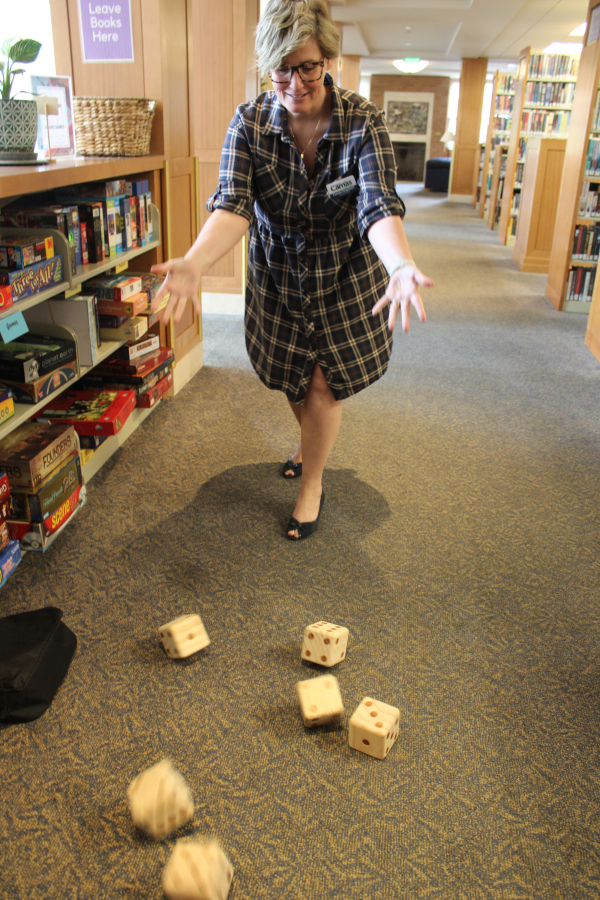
{"x": 183, "y": 636}
{"x": 320, "y": 700}
{"x": 197, "y": 871}
{"x": 160, "y": 800}
{"x": 373, "y": 728}
{"x": 325, "y": 643}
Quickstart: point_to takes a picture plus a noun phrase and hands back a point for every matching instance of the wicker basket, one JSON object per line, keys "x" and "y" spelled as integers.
{"x": 113, "y": 126}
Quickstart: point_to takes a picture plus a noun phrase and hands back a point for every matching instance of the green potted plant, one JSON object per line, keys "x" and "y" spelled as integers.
{"x": 18, "y": 118}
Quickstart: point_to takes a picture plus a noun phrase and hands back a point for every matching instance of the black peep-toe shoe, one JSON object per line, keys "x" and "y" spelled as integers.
{"x": 295, "y": 467}
{"x": 304, "y": 529}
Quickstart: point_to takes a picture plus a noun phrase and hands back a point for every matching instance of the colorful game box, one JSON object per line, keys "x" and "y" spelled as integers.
{"x": 41, "y": 388}
{"x": 10, "y": 557}
{"x": 32, "y": 280}
{"x": 91, "y": 412}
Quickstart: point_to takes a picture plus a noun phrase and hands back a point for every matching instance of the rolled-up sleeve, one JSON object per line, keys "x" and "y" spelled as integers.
{"x": 235, "y": 191}
{"x": 377, "y": 177}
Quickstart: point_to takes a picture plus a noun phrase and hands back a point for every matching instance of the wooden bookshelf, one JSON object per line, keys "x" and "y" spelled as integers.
{"x": 498, "y": 132}
{"x": 534, "y": 115}
{"x": 539, "y": 194}
{"x": 576, "y": 182}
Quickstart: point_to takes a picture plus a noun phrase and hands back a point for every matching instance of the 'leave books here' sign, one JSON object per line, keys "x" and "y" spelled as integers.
{"x": 106, "y": 34}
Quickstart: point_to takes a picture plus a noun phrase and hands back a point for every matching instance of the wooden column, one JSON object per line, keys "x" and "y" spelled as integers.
{"x": 467, "y": 146}
{"x": 349, "y": 73}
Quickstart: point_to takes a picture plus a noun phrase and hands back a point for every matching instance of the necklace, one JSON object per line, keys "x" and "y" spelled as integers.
{"x": 311, "y": 140}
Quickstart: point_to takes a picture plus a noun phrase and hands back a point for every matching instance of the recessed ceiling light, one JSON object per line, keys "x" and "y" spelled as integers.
{"x": 411, "y": 65}
{"x": 579, "y": 31}
{"x": 563, "y": 47}
{"x": 511, "y": 65}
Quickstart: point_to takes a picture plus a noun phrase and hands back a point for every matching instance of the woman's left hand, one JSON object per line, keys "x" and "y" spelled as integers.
{"x": 402, "y": 292}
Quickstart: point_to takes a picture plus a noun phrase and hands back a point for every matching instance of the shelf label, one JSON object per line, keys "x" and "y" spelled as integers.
{"x": 105, "y": 30}
{"x": 13, "y": 326}
{"x": 121, "y": 267}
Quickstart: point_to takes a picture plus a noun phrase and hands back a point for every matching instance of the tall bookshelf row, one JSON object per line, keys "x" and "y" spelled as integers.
{"x": 572, "y": 285}
{"x": 544, "y": 92}
{"x": 498, "y": 132}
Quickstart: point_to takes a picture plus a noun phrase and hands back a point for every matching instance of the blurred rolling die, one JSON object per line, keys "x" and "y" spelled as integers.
{"x": 320, "y": 700}
{"x": 373, "y": 728}
{"x": 183, "y": 636}
{"x": 325, "y": 643}
{"x": 160, "y": 800}
{"x": 197, "y": 871}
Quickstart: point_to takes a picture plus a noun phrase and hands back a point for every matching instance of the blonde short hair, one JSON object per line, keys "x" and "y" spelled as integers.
{"x": 287, "y": 25}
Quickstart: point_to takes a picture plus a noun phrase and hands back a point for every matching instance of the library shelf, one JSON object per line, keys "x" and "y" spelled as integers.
{"x": 530, "y": 71}
{"x": 17, "y": 180}
{"x": 112, "y": 444}
{"x": 576, "y": 183}
{"x": 502, "y": 88}
{"x": 497, "y": 186}
{"x": 536, "y": 213}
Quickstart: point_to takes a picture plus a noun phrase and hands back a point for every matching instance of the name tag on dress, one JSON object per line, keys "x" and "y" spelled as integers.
{"x": 342, "y": 186}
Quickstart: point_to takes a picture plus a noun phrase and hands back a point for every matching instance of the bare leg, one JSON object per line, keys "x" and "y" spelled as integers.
{"x": 297, "y": 454}
{"x": 319, "y": 426}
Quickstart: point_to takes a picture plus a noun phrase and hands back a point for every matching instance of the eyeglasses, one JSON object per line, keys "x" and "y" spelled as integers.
{"x": 308, "y": 71}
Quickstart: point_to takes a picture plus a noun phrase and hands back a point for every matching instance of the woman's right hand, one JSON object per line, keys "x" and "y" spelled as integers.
{"x": 182, "y": 283}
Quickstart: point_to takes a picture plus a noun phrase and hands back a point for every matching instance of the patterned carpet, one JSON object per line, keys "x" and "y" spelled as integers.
{"x": 459, "y": 544}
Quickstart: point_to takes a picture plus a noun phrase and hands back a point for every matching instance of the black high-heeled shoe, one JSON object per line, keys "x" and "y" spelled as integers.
{"x": 295, "y": 467}
{"x": 304, "y": 529}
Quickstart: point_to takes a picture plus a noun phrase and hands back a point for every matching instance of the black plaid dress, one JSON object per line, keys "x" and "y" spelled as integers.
{"x": 313, "y": 276}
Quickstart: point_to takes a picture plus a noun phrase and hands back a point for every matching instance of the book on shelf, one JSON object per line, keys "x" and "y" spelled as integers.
{"x": 33, "y": 450}
{"x": 586, "y": 242}
{"x": 552, "y": 65}
{"x": 542, "y": 122}
{"x": 505, "y": 83}
{"x": 549, "y": 93}
{"x": 580, "y": 284}
{"x": 90, "y": 412}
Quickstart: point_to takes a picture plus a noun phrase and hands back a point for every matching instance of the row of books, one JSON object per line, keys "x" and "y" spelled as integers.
{"x": 519, "y": 172}
{"x": 586, "y": 242}
{"x": 550, "y": 93}
{"x": 552, "y": 65}
{"x": 505, "y": 83}
{"x": 589, "y": 201}
{"x": 522, "y": 148}
{"x": 504, "y": 103}
{"x": 501, "y": 124}
{"x": 516, "y": 203}
{"x": 596, "y": 116}
{"x": 592, "y": 162}
{"x": 580, "y": 284}
{"x": 538, "y": 122}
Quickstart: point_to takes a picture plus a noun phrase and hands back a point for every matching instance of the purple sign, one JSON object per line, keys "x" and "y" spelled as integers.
{"x": 106, "y": 31}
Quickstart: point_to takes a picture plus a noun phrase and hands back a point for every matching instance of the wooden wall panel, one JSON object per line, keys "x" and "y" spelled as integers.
{"x": 468, "y": 124}
{"x": 429, "y": 84}
{"x": 173, "y": 29}
{"x": 349, "y": 73}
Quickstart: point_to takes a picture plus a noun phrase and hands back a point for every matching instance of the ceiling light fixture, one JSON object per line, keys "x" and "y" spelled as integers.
{"x": 563, "y": 47}
{"x": 579, "y": 31}
{"x": 411, "y": 64}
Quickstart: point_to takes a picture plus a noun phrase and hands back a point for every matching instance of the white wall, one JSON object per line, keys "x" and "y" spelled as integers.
{"x": 29, "y": 19}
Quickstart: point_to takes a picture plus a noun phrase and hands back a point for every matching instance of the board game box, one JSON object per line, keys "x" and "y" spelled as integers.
{"x": 36, "y": 507}
{"x": 10, "y": 557}
{"x": 141, "y": 384}
{"x": 117, "y": 366}
{"x": 91, "y": 412}
{"x": 133, "y": 306}
{"x": 149, "y": 398}
{"x": 41, "y": 388}
{"x": 4, "y": 486}
{"x": 6, "y": 299}
{"x": 6, "y": 508}
{"x": 38, "y": 536}
{"x": 32, "y": 280}
{"x": 135, "y": 349}
{"x": 131, "y": 330}
{"x": 18, "y": 252}
{"x": 33, "y": 450}
{"x": 32, "y": 356}
{"x": 7, "y": 409}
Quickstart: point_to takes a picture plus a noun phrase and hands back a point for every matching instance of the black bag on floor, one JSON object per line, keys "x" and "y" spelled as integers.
{"x": 36, "y": 649}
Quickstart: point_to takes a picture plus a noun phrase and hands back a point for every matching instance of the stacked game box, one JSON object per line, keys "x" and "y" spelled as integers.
{"x": 90, "y": 412}
{"x": 27, "y": 267}
{"x": 148, "y": 375}
{"x": 120, "y": 302}
{"x": 50, "y": 215}
{"x": 43, "y": 468}
{"x": 33, "y": 366}
{"x": 10, "y": 550}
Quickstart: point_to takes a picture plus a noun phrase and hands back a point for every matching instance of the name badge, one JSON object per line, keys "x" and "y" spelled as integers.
{"x": 342, "y": 186}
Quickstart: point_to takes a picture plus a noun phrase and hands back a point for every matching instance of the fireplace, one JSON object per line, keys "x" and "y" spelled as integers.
{"x": 410, "y": 160}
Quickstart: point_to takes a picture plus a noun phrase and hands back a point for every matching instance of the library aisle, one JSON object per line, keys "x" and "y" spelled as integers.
{"x": 459, "y": 544}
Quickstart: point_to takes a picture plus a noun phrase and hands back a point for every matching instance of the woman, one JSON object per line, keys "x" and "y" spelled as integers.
{"x": 310, "y": 170}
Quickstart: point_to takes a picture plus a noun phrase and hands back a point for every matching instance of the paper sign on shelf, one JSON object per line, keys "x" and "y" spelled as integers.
{"x": 106, "y": 33}
{"x": 13, "y": 326}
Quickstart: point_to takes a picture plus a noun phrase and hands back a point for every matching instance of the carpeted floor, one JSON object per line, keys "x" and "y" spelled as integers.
{"x": 459, "y": 544}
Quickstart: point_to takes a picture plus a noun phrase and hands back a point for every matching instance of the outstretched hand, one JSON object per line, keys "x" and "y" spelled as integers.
{"x": 182, "y": 283}
{"x": 402, "y": 293}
